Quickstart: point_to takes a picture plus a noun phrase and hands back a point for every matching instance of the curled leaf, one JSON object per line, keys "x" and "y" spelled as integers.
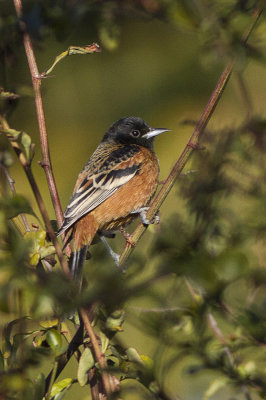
{"x": 73, "y": 50}
{"x": 23, "y": 142}
{"x": 39, "y": 247}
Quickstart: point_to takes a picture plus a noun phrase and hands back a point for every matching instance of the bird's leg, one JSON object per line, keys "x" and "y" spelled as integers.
{"x": 128, "y": 237}
{"x": 143, "y": 215}
{"x": 114, "y": 255}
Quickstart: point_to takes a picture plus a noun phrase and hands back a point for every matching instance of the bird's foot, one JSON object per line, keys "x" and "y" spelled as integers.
{"x": 129, "y": 241}
{"x": 111, "y": 252}
{"x": 143, "y": 215}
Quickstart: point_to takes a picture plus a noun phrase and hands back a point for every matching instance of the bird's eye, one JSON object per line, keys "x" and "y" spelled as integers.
{"x": 135, "y": 133}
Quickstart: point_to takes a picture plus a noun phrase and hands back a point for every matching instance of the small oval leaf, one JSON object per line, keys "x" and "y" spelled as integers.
{"x": 60, "y": 386}
{"x": 54, "y": 339}
{"x": 86, "y": 362}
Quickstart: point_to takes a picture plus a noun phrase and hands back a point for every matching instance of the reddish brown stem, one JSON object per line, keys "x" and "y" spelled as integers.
{"x": 99, "y": 356}
{"x": 182, "y": 160}
{"x": 190, "y": 147}
{"x": 36, "y": 82}
{"x": 39, "y": 200}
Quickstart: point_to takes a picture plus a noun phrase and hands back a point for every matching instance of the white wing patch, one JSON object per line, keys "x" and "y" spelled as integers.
{"x": 87, "y": 198}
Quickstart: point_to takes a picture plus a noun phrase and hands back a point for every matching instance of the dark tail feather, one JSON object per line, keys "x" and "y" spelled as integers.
{"x": 76, "y": 262}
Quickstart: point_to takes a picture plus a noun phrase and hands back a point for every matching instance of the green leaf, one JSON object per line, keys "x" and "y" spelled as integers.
{"x": 60, "y": 395}
{"x": 8, "y": 95}
{"x": 49, "y": 323}
{"x": 115, "y": 321}
{"x": 86, "y": 362}
{"x": 134, "y": 356}
{"x": 215, "y": 385}
{"x": 60, "y": 386}
{"x": 6, "y": 158}
{"x": 54, "y": 340}
{"x": 109, "y": 35}
{"x": 39, "y": 248}
{"x": 23, "y": 141}
{"x": 16, "y": 205}
{"x": 104, "y": 342}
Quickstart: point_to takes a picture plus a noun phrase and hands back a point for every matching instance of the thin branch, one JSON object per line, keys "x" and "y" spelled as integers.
{"x": 218, "y": 333}
{"x": 99, "y": 356}
{"x": 36, "y": 82}
{"x": 187, "y": 152}
{"x": 182, "y": 160}
{"x": 40, "y": 202}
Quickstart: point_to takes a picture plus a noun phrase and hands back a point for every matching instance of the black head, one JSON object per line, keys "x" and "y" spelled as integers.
{"x": 132, "y": 130}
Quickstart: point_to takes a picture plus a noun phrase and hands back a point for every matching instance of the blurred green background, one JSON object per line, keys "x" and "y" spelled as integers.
{"x": 157, "y": 70}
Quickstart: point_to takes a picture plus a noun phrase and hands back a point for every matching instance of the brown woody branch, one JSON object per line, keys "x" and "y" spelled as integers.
{"x": 182, "y": 160}
{"x": 191, "y": 145}
{"x": 109, "y": 384}
{"x": 36, "y": 83}
{"x": 38, "y": 197}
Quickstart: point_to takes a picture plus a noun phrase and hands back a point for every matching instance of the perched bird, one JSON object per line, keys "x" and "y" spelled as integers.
{"x": 114, "y": 187}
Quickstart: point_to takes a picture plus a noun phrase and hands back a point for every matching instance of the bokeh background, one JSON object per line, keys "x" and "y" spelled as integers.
{"x": 151, "y": 65}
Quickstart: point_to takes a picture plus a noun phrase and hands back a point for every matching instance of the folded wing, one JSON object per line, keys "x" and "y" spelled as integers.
{"x": 95, "y": 188}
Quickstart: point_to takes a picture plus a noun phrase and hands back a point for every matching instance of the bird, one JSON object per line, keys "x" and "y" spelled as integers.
{"x": 114, "y": 187}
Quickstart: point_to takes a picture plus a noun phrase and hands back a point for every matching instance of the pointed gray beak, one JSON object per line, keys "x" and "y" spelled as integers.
{"x": 155, "y": 132}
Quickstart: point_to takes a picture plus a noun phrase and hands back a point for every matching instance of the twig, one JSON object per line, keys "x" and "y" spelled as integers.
{"x": 46, "y": 164}
{"x": 40, "y": 202}
{"x": 215, "y": 328}
{"x": 36, "y": 83}
{"x": 196, "y": 297}
{"x": 191, "y": 145}
{"x": 157, "y": 309}
{"x": 212, "y": 322}
{"x": 97, "y": 351}
{"x": 182, "y": 160}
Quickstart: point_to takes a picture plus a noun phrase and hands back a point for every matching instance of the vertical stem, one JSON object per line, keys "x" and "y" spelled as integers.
{"x": 39, "y": 200}
{"x": 36, "y": 82}
{"x": 97, "y": 352}
{"x": 46, "y": 219}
